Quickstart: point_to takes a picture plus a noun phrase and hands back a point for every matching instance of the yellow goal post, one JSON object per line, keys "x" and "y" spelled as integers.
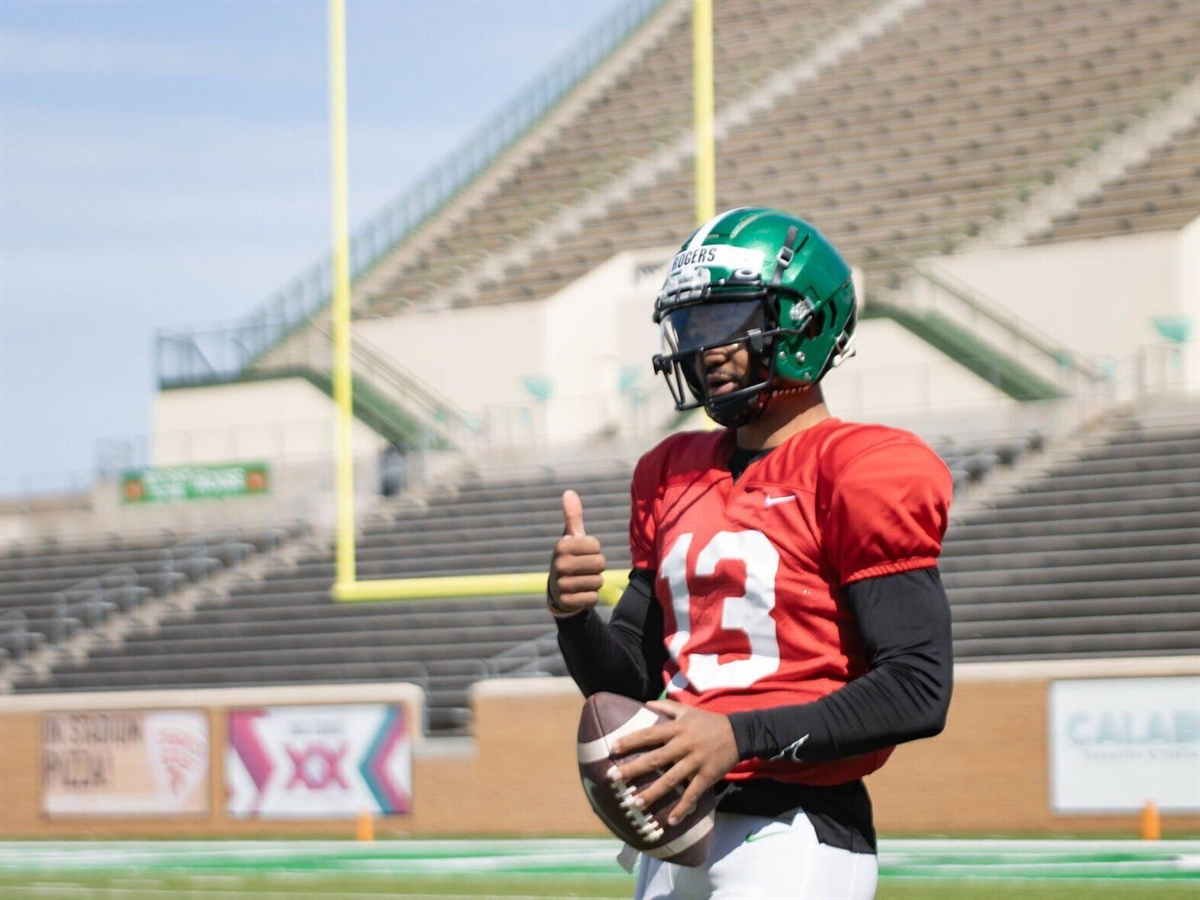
{"x": 347, "y": 587}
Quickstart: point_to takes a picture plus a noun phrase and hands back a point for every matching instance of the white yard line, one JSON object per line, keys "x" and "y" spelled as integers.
{"x": 225, "y": 863}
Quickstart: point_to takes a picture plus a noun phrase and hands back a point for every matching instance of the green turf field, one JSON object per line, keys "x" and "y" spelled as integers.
{"x": 516, "y": 887}
{"x": 293, "y": 870}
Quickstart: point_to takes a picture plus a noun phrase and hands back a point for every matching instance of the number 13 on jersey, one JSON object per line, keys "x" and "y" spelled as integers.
{"x": 747, "y": 613}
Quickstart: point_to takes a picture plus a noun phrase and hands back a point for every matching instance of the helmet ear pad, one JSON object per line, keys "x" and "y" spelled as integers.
{"x": 805, "y": 355}
{"x": 815, "y": 326}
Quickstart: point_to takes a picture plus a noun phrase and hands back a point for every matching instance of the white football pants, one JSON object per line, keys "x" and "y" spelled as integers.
{"x": 756, "y": 858}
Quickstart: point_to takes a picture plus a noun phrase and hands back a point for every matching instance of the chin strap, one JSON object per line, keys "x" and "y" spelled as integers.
{"x": 738, "y": 413}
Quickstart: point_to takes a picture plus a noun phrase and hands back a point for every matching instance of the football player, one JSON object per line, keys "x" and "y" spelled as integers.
{"x": 785, "y": 602}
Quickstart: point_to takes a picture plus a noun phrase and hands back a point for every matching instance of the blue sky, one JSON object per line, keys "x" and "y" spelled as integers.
{"x": 166, "y": 163}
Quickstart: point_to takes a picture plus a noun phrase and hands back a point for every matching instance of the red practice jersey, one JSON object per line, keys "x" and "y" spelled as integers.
{"x": 751, "y": 574}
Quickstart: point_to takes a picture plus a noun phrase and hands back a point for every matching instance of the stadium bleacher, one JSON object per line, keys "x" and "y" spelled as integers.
{"x": 1162, "y": 193}
{"x": 51, "y": 589}
{"x": 285, "y": 629}
{"x": 899, "y": 146}
{"x": 1095, "y": 558}
{"x": 1093, "y": 555}
{"x": 648, "y": 106}
{"x": 901, "y": 150}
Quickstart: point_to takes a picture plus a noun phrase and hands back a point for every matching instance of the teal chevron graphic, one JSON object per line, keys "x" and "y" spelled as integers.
{"x": 392, "y": 798}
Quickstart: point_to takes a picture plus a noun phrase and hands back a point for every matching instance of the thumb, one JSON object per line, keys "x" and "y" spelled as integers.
{"x": 573, "y": 514}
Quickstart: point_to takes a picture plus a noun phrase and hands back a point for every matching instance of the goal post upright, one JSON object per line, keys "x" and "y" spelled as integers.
{"x": 703, "y": 110}
{"x": 343, "y": 391}
{"x": 346, "y": 586}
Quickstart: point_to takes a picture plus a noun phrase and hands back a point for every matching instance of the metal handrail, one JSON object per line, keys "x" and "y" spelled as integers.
{"x": 15, "y": 633}
{"x": 366, "y": 354}
{"x": 311, "y": 352}
{"x": 294, "y": 305}
{"x": 1025, "y": 332}
{"x": 87, "y": 602}
{"x": 523, "y": 659}
{"x": 438, "y": 411}
{"x": 90, "y": 601}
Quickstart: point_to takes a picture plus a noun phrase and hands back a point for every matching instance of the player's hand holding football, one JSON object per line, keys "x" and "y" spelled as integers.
{"x": 577, "y": 567}
{"x": 697, "y": 749}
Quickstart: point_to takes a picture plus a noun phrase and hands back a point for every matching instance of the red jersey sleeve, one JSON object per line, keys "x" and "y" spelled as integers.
{"x": 887, "y": 510}
{"x": 643, "y": 491}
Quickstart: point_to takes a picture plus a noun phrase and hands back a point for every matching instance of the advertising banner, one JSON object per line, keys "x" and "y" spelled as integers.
{"x": 1117, "y": 743}
{"x": 194, "y": 482}
{"x": 319, "y": 761}
{"x": 125, "y": 763}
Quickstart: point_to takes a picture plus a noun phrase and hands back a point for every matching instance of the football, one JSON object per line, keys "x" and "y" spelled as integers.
{"x": 606, "y": 717}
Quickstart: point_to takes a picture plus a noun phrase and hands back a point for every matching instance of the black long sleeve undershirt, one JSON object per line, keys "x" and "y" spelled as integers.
{"x": 624, "y": 656}
{"x": 905, "y": 623}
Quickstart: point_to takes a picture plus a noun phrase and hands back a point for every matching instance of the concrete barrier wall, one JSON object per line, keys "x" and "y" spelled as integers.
{"x": 989, "y": 771}
{"x": 987, "y": 774}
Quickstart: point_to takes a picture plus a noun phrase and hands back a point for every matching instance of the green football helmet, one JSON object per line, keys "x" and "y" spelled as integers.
{"x": 760, "y": 278}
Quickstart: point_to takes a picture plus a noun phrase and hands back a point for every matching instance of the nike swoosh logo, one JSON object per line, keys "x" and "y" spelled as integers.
{"x": 775, "y": 501}
{"x": 759, "y": 835}
{"x": 791, "y": 751}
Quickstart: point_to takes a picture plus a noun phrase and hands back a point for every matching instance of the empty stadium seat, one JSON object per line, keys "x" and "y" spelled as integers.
{"x": 49, "y": 588}
{"x": 969, "y": 104}
{"x": 1099, "y": 557}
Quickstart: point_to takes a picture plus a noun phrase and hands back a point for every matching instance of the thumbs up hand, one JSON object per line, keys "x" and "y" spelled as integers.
{"x": 577, "y": 567}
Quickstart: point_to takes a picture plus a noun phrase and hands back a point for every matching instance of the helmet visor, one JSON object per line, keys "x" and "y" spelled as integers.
{"x": 712, "y": 324}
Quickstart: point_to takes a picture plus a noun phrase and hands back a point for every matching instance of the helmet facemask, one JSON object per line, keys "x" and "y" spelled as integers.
{"x": 696, "y": 320}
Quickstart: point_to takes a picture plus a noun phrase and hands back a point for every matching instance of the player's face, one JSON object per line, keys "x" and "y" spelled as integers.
{"x": 725, "y": 369}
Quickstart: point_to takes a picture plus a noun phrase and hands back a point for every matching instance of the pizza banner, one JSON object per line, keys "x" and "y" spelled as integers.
{"x": 125, "y": 763}
{"x": 318, "y": 761}
{"x": 194, "y": 482}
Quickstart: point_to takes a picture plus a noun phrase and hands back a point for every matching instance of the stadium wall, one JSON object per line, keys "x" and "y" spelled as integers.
{"x": 294, "y": 496}
{"x": 988, "y": 773}
{"x": 592, "y": 342}
{"x": 1099, "y": 296}
{"x": 476, "y": 356}
{"x": 575, "y": 367}
{"x": 573, "y": 346}
{"x": 284, "y": 420}
{"x": 896, "y": 375}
